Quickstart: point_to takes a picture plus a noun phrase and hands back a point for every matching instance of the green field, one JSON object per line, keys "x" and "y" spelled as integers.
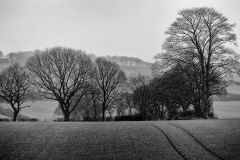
{"x": 196, "y": 139}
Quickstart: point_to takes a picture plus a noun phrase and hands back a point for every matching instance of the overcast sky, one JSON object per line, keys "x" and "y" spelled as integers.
{"x": 103, "y": 27}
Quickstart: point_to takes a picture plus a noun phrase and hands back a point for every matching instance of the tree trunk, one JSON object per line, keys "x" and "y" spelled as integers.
{"x": 66, "y": 116}
{"x": 95, "y": 110}
{"x": 205, "y": 109}
{"x": 15, "y": 113}
{"x": 130, "y": 110}
{"x": 103, "y": 112}
{"x": 110, "y": 113}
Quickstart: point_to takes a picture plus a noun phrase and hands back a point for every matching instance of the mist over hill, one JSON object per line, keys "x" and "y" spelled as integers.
{"x": 130, "y": 65}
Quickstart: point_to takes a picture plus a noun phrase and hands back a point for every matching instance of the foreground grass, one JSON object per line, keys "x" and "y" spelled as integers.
{"x": 125, "y": 140}
{"x": 121, "y": 140}
{"x": 220, "y": 136}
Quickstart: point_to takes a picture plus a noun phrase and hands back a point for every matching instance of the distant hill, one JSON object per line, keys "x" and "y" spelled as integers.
{"x": 7, "y": 111}
{"x": 124, "y": 60}
{"x": 132, "y": 71}
{"x": 5, "y": 117}
{"x": 233, "y": 94}
{"x": 130, "y": 65}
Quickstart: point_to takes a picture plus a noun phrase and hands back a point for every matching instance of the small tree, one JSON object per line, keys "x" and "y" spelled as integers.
{"x": 15, "y": 87}
{"x": 109, "y": 80}
{"x": 62, "y": 74}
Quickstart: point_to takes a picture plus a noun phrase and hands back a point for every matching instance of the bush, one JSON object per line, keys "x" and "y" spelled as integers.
{"x": 58, "y": 119}
{"x": 136, "y": 117}
{"x": 5, "y": 120}
{"x": 28, "y": 120}
{"x": 109, "y": 119}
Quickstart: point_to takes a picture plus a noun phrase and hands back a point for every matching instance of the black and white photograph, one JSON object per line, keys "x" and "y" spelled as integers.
{"x": 119, "y": 80}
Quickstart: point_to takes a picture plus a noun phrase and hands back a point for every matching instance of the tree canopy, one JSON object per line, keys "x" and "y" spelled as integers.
{"x": 62, "y": 74}
{"x": 199, "y": 38}
{"x": 15, "y": 87}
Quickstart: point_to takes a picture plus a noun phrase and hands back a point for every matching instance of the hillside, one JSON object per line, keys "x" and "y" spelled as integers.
{"x": 130, "y": 65}
{"x": 132, "y": 71}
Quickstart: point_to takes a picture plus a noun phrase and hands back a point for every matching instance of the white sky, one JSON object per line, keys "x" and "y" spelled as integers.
{"x": 103, "y": 27}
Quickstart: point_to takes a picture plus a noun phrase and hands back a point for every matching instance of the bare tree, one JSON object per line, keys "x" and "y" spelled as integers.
{"x": 95, "y": 93}
{"x": 15, "y": 87}
{"x": 127, "y": 99}
{"x": 198, "y": 38}
{"x": 109, "y": 79}
{"x": 139, "y": 86}
{"x": 62, "y": 74}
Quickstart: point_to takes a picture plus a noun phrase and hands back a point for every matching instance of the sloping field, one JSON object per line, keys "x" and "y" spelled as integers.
{"x": 221, "y": 137}
{"x": 2, "y": 116}
{"x": 233, "y": 89}
{"x": 197, "y": 139}
{"x": 227, "y": 109}
{"x": 39, "y": 109}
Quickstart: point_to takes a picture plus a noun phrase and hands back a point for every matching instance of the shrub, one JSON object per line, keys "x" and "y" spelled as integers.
{"x": 136, "y": 117}
{"x": 28, "y": 120}
{"x": 5, "y": 120}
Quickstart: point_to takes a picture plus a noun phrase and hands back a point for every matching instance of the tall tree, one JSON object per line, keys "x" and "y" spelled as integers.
{"x": 15, "y": 87}
{"x": 62, "y": 74}
{"x": 109, "y": 80}
{"x": 198, "y": 38}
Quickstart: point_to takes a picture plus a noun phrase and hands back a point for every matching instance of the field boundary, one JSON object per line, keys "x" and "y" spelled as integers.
{"x": 170, "y": 142}
{"x": 199, "y": 142}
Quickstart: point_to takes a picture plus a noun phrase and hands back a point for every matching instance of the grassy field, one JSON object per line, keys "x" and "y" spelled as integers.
{"x": 227, "y": 109}
{"x": 44, "y": 109}
{"x": 222, "y": 137}
{"x": 233, "y": 89}
{"x": 196, "y": 139}
{"x": 39, "y": 109}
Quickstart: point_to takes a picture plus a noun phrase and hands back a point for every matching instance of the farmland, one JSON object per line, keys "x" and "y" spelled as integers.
{"x": 39, "y": 109}
{"x": 202, "y": 139}
{"x": 44, "y": 109}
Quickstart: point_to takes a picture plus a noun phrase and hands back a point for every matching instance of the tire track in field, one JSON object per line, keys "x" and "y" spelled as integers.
{"x": 199, "y": 142}
{"x": 169, "y": 140}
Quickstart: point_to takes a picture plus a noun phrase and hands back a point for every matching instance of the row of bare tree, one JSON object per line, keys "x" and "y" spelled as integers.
{"x": 61, "y": 74}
